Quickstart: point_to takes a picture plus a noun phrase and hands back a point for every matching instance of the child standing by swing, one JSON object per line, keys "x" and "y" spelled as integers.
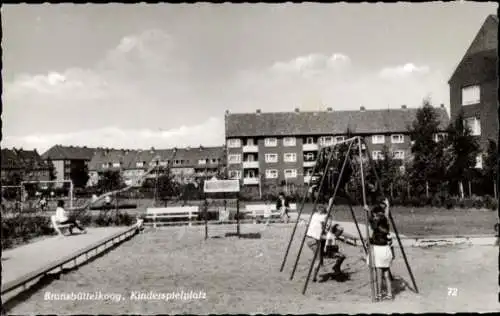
{"x": 381, "y": 248}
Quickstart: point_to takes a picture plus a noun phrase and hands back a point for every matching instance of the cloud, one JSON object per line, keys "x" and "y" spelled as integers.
{"x": 209, "y": 133}
{"x": 315, "y": 81}
{"x": 143, "y": 71}
{"x": 403, "y": 71}
{"x": 311, "y": 65}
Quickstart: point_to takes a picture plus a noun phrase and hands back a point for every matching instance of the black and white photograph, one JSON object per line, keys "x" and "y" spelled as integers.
{"x": 265, "y": 158}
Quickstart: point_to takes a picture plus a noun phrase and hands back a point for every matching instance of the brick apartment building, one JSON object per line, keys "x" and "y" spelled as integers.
{"x": 64, "y": 158}
{"x": 188, "y": 164}
{"x": 26, "y": 165}
{"x": 264, "y": 148}
{"x": 474, "y": 84}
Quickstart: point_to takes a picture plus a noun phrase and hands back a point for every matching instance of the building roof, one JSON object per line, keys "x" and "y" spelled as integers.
{"x": 22, "y": 159}
{"x": 59, "y": 152}
{"x": 485, "y": 42}
{"x": 188, "y": 157}
{"x": 324, "y": 123}
{"x": 10, "y": 159}
{"x": 31, "y": 159}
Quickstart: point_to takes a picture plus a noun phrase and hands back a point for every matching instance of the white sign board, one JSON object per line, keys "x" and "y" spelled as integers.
{"x": 220, "y": 186}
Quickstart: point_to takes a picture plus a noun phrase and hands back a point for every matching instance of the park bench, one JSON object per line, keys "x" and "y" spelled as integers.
{"x": 267, "y": 211}
{"x": 161, "y": 213}
{"x": 57, "y": 226}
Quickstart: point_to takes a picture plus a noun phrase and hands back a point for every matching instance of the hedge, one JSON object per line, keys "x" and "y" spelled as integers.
{"x": 19, "y": 229}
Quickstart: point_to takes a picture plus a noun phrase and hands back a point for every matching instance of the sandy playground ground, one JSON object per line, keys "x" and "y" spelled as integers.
{"x": 242, "y": 276}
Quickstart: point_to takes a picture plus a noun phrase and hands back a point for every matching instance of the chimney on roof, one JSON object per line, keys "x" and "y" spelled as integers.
{"x": 362, "y": 109}
{"x": 329, "y": 109}
{"x": 152, "y": 150}
{"x": 403, "y": 106}
{"x": 442, "y": 105}
{"x": 297, "y": 110}
{"x": 227, "y": 112}
{"x": 258, "y": 111}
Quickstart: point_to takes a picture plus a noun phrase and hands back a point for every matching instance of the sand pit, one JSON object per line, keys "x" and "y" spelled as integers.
{"x": 242, "y": 276}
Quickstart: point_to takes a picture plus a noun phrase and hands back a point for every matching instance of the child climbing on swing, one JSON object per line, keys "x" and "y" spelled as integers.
{"x": 381, "y": 247}
{"x": 323, "y": 239}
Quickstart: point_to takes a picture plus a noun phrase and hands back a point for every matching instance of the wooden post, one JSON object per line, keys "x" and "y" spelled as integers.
{"x": 426, "y": 189}
{"x": 495, "y": 189}
{"x": 470, "y": 190}
{"x": 461, "y": 189}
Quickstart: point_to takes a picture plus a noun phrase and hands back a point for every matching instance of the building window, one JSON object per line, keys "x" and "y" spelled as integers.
{"x": 271, "y": 158}
{"x": 250, "y": 142}
{"x": 377, "y": 155}
{"x": 309, "y": 157}
{"x": 270, "y": 142}
{"x": 310, "y": 140}
{"x": 378, "y": 139}
{"x": 213, "y": 160}
{"x": 139, "y": 164}
{"x": 399, "y": 154}
{"x": 290, "y": 157}
{"x": 250, "y": 158}
{"x": 202, "y": 161}
{"x": 289, "y": 141}
{"x": 326, "y": 141}
{"x": 471, "y": 95}
{"x": 271, "y": 174}
{"x": 105, "y": 165}
{"x": 234, "y": 143}
{"x": 290, "y": 173}
{"x": 474, "y": 125}
{"x": 338, "y": 139}
{"x": 233, "y": 159}
{"x": 235, "y": 174}
{"x": 309, "y": 172}
{"x": 479, "y": 162}
{"x": 251, "y": 174}
{"x": 439, "y": 137}
{"x": 397, "y": 139}
{"x": 163, "y": 163}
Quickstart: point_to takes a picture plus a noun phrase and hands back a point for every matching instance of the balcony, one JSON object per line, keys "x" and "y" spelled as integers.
{"x": 310, "y": 147}
{"x": 309, "y": 163}
{"x": 250, "y": 148}
{"x": 250, "y": 164}
{"x": 250, "y": 181}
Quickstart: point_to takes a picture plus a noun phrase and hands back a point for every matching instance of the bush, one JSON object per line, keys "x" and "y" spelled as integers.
{"x": 123, "y": 219}
{"x": 103, "y": 220}
{"x": 490, "y": 202}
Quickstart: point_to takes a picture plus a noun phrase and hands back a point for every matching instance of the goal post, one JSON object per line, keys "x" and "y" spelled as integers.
{"x": 71, "y": 187}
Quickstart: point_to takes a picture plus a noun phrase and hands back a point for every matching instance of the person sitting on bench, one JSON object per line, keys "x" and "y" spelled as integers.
{"x": 63, "y": 219}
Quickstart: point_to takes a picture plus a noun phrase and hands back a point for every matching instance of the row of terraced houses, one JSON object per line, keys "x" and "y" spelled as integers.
{"x": 282, "y": 147}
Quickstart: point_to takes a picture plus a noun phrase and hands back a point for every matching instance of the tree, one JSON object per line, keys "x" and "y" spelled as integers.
{"x": 426, "y": 164}
{"x": 490, "y": 166}
{"x": 461, "y": 149}
{"x": 79, "y": 175}
{"x": 110, "y": 180}
{"x": 387, "y": 170}
{"x": 52, "y": 170}
{"x": 167, "y": 187}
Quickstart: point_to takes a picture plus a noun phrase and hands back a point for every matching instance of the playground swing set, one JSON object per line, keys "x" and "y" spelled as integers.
{"x": 335, "y": 195}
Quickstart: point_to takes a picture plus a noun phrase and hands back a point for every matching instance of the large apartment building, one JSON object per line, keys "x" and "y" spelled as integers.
{"x": 264, "y": 148}
{"x": 64, "y": 158}
{"x": 474, "y": 84}
{"x": 187, "y": 164}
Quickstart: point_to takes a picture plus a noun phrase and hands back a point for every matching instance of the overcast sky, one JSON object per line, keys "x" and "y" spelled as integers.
{"x": 136, "y": 76}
